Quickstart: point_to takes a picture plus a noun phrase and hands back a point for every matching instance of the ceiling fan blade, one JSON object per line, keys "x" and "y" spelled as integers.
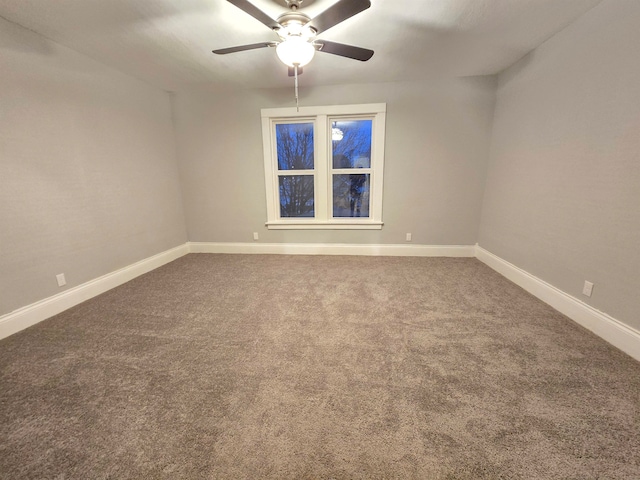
{"x": 349, "y": 51}
{"x": 242, "y": 48}
{"x": 337, "y": 13}
{"x": 256, "y": 13}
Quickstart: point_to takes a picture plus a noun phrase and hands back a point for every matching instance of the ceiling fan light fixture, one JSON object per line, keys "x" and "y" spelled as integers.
{"x": 295, "y": 50}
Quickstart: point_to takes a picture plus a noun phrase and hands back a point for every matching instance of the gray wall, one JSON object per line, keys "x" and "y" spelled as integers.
{"x": 437, "y": 146}
{"x": 89, "y": 181}
{"x": 563, "y": 187}
{"x": 88, "y": 176}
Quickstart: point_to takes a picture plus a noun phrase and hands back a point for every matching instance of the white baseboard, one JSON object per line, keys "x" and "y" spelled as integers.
{"x": 613, "y": 331}
{"x": 36, "y": 312}
{"x": 335, "y": 249}
{"x": 608, "y": 328}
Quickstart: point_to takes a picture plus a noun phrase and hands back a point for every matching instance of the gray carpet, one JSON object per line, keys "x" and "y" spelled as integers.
{"x": 296, "y": 367}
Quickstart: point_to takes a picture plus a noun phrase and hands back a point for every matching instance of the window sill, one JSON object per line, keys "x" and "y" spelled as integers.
{"x": 314, "y": 225}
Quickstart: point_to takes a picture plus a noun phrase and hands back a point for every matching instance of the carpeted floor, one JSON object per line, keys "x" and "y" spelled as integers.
{"x": 297, "y": 367}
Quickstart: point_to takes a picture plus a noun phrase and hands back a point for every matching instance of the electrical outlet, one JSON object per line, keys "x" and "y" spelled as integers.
{"x": 587, "y": 289}
{"x": 61, "y": 280}
{"x": 256, "y": 236}
{"x": 408, "y": 237}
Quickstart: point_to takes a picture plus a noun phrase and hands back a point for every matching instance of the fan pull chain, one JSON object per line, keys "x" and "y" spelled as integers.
{"x": 295, "y": 67}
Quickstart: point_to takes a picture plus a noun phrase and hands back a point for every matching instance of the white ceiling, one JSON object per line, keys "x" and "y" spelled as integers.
{"x": 168, "y": 43}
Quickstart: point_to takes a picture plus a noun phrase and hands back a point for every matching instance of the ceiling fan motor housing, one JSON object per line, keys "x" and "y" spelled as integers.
{"x": 293, "y": 23}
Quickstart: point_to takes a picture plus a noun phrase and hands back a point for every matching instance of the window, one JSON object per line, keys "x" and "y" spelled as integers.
{"x": 323, "y": 166}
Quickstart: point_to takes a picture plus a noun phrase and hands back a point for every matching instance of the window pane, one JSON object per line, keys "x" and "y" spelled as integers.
{"x": 351, "y": 195}
{"x": 294, "y": 143}
{"x": 296, "y": 196}
{"x": 351, "y": 143}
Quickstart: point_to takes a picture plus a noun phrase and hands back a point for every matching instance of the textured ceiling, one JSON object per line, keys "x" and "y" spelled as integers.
{"x": 168, "y": 43}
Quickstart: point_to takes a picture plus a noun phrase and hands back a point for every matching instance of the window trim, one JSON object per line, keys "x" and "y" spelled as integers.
{"x": 321, "y": 116}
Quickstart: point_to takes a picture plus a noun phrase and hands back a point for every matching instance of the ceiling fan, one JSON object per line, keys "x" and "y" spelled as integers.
{"x": 298, "y": 43}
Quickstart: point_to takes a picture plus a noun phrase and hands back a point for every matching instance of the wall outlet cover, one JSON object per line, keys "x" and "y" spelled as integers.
{"x": 587, "y": 289}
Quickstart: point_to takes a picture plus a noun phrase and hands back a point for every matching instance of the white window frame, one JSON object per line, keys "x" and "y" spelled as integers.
{"x": 322, "y": 117}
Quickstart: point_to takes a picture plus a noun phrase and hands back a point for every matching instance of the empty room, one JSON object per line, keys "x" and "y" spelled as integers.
{"x": 320, "y": 239}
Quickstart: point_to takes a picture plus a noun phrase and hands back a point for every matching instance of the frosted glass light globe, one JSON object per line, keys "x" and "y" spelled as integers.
{"x": 295, "y": 50}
